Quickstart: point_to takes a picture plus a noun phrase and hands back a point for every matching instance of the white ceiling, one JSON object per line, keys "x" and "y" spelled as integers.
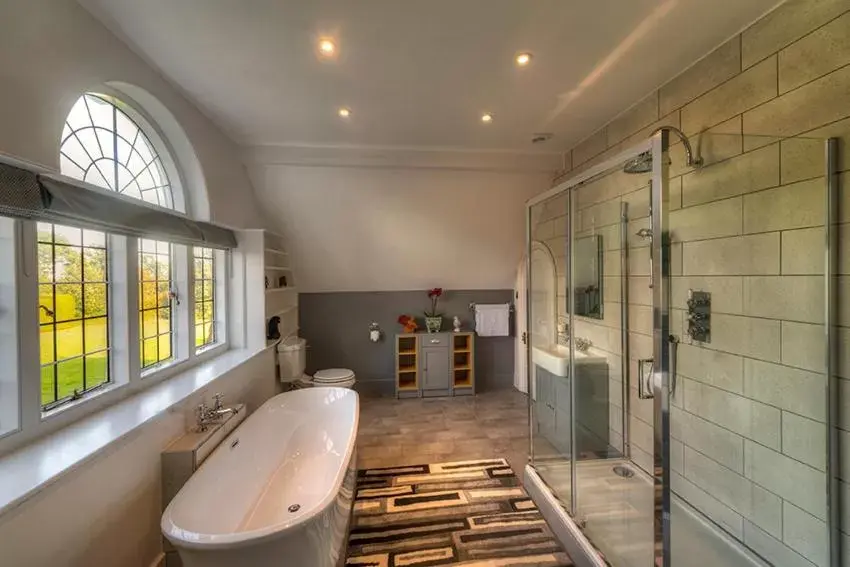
{"x": 419, "y": 74}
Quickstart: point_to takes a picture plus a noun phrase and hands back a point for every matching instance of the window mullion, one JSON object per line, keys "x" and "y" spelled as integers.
{"x": 124, "y": 302}
{"x": 190, "y": 301}
{"x": 28, "y": 325}
{"x": 182, "y": 323}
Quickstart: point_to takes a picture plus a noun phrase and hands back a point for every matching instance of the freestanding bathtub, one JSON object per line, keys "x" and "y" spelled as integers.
{"x": 278, "y": 491}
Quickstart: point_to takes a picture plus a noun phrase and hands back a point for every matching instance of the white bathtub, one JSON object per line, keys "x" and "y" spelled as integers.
{"x": 296, "y": 450}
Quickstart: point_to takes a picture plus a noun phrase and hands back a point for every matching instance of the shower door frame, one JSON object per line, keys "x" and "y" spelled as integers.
{"x": 658, "y": 145}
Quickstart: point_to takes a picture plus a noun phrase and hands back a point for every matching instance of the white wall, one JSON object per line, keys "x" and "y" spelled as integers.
{"x": 51, "y": 51}
{"x": 370, "y": 229}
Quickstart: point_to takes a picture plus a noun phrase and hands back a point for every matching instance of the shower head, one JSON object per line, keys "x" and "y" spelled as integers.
{"x": 643, "y": 162}
{"x": 644, "y": 233}
{"x": 640, "y": 164}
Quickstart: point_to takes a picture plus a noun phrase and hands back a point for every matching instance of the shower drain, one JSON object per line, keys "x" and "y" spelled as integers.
{"x": 623, "y": 471}
{"x": 294, "y": 508}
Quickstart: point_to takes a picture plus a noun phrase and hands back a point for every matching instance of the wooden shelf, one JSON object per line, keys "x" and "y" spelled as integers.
{"x": 467, "y": 367}
{"x": 466, "y": 351}
{"x": 276, "y": 251}
{"x": 407, "y": 369}
{"x": 278, "y": 268}
{"x": 408, "y": 387}
{"x": 465, "y": 383}
{"x": 406, "y": 352}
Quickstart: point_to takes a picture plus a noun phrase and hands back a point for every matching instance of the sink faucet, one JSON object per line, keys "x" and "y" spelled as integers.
{"x": 582, "y": 344}
{"x": 209, "y": 415}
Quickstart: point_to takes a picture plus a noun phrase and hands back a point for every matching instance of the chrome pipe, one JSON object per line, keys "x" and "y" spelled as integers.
{"x": 833, "y": 489}
{"x": 625, "y": 366}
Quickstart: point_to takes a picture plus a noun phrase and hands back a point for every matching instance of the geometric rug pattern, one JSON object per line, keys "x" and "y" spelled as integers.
{"x": 467, "y": 513}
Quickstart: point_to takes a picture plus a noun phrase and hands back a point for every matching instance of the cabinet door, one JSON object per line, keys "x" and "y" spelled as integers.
{"x": 436, "y": 373}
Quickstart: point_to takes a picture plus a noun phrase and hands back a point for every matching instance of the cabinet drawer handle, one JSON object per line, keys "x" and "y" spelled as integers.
{"x": 435, "y": 341}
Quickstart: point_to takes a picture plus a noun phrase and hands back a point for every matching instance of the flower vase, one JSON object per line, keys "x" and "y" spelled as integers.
{"x": 433, "y": 324}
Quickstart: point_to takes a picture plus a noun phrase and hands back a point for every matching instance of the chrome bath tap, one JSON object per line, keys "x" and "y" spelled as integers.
{"x": 209, "y": 415}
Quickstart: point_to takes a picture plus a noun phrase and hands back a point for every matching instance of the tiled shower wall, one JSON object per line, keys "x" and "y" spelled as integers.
{"x": 749, "y": 414}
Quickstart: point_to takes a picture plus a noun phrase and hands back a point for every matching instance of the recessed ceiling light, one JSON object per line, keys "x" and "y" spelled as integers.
{"x": 344, "y": 112}
{"x": 523, "y": 59}
{"x": 327, "y": 47}
{"x": 486, "y": 118}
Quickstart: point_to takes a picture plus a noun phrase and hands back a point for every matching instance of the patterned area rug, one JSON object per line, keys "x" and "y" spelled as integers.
{"x": 469, "y": 513}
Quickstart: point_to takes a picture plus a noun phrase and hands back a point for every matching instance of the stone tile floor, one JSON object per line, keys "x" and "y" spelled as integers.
{"x": 429, "y": 430}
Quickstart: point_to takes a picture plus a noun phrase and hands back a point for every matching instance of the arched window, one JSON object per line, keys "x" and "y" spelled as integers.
{"x": 108, "y": 143}
{"x": 102, "y": 145}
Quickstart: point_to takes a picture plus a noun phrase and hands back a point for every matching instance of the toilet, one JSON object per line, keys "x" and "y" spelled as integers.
{"x": 292, "y": 360}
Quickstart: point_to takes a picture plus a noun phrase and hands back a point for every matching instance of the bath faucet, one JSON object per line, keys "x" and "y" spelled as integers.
{"x": 208, "y": 415}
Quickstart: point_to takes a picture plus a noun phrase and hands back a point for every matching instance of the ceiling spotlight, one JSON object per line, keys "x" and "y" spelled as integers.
{"x": 523, "y": 59}
{"x": 344, "y": 112}
{"x": 327, "y": 47}
{"x": 486, "y": 118}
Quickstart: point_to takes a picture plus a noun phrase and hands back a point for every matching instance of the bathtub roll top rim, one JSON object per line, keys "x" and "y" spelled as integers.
{"x": 311, "y": 408}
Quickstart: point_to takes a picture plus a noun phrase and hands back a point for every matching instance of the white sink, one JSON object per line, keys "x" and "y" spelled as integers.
{"x": 556, "y": 359}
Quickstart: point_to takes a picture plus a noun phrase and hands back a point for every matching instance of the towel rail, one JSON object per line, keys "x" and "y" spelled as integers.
{"x": 472, "y": 307}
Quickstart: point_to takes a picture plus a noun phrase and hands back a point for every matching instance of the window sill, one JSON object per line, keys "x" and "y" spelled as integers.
{"x": 26, "y": 471}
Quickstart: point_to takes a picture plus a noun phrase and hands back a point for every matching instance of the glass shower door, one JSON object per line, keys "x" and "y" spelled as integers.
{"x": 548, "y": 361}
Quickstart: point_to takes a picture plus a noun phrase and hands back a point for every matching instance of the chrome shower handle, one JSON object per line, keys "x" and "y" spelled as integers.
{"x": 644, "y": 386}
{"x": 674, "y": 364}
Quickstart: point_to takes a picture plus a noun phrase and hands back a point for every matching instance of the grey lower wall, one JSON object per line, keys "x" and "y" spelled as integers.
{"x": 336, "y": 326}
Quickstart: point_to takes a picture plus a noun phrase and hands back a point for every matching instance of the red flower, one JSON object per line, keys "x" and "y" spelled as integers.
{"x": 436, "y": 292}
{"x": 403, "y": 319}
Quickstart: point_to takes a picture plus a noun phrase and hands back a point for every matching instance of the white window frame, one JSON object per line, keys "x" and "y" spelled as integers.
{"x": 20, "y": 392}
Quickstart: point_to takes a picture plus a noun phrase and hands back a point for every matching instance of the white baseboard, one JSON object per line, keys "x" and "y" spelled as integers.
{"x": 159, "y": 561}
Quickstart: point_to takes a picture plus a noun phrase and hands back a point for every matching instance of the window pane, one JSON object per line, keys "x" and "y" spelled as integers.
{"x": 96, "y": 335}
{"x": 97, "y": 370}
{"x": 69, "y": 377}
{"x": 69, "y": 301}
{"x": 155, "y": 303}
{"x": 96, "y": 299}
{"x": 69, "y": 339}
{"x": 73, "y": 312}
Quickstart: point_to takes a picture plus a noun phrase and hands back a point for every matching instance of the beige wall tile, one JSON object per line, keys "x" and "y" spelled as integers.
{"x": 638, "y": 203}
{"x": 802, "y": 251}
{"x": 640, "y": 115}
{"x": 727, "y": 292}
{"x": 816, "y": 54}
{"x": 599, "y": 215}
{"x": 786, "y": 24}
{"x": 747, "y": 336}
{"x": 671, "y": 119}
{"x": 795, "y": 482}
{"x": 590, "y": 147}
{"x": 639, "y": 262}
{"x": 805, "y": 534}
{"x": 748, "y": 499}
{"x": 640, "y": 434}
{"x": 798, "y": 205}
{"x": 639, "y": 291}
{"x": 718, "y": 66}
{"x": 749, "y": 172}
{"x": 824, "y": 100}
{"x": 744, "y": 91}
{"x": 798, "y": 391}
{"x": 771, "y": 548}
{"x": 739, "y": 255}
{"x": 677, "y": 459}
{"x": 729, "y": 519}
{"x": 804, "y": 439}
{"x": 711, "y": 220}
{"x": 805, "y": 155}
{"x": 718, "y": 369}
{"x": 741, "y": 415}
{"x": 714, "y": 442}
{"x": 802, "y": 158}
{"x": 677, "y": 259}
{"x": 803, "y": 345}
{"x": 791, "y": 298}
{"x": 640, "y": 318}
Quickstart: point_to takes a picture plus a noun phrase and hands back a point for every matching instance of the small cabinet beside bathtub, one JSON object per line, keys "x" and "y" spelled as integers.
{"x": 435, "y": 364}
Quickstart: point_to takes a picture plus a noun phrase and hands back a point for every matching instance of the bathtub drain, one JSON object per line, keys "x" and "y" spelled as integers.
{"x": 294, "y": 508}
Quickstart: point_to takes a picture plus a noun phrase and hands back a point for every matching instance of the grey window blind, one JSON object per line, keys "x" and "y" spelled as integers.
{"x": 52, "y": 198}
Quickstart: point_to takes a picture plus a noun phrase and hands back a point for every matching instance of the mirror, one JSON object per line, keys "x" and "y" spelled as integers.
{"x": 587, "y": 295}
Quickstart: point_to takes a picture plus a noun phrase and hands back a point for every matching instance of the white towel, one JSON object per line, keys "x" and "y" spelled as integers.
{"x": 493, "y": 320}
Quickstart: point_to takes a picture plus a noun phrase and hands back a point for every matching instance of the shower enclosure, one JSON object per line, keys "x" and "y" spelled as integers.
{"x": 683, "y": 399}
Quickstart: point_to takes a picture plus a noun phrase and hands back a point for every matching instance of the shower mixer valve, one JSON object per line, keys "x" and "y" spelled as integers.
{"x": 699, "y": 316}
